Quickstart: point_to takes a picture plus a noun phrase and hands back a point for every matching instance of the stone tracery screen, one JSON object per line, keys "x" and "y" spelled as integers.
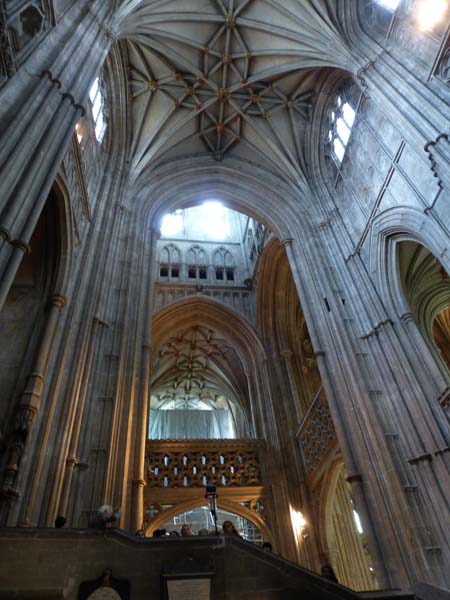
{"x": 317, "y": 433}
{"x": 196, "y": 464}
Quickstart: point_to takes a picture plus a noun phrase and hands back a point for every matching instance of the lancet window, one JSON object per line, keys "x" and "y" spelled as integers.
{"x": 169, "y": 262}
{"x": 342, "y": 117}
{"x": 224, "y": 265}
{"x": 97, "y": 107}
{"x": 197, "y": 263}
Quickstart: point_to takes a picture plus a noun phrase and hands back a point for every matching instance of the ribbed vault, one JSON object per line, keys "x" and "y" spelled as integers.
{"x": 204, "y": 350}
{"x": 227, "y": 77}
{"x": 196, "y": 365}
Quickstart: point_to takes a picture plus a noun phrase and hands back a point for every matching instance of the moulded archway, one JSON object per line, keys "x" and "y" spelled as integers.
{"x": 207, "y": 313}
{"x": 342, "y": 545}
{"x": 233, "y": 507}
{"x": 37, "y": 295}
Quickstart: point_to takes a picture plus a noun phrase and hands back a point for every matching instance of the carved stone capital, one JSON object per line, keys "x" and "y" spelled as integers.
{"x": 139, "y": 483}
{"x": 407, "y": 317}
{"x": 72, "y": 462}
{"x": 21, "y": 245}
{"x": 58, "y": 300}
{"x": 5, "y": 233}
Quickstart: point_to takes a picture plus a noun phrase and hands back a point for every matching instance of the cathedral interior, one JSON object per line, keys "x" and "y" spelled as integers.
{"x": 225, "y": 296}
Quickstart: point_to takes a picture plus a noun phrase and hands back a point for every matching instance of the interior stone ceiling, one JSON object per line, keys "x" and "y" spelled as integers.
{"x": 227, "y": 77}
{"x": 195, "y": 363}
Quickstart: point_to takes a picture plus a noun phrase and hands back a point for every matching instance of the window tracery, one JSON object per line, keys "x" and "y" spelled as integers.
{"x": 97, "y": 108}
{"x": 170, "y": 261}
{"x": 224, "y": 265}
{"x": 197, "y": 262}
{"x": 342, "y": 117}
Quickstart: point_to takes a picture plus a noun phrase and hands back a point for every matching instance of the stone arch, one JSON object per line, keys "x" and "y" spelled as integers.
{"x": 397, "y": 225}
{"x": 202, "y": 257}
{"x": 65, "y": 235}
{"x": 29, "y": 317}
{"x": 282, "y": 324}
{"x": 210, "y": 312}
{"x": 170, "y": 254}
{"x": 340, "y": 544}
{"x": 228, "y": 505}
{"x": 245, "y": 356}
{"x": 239, "y": 185}
{"x": 391, "y": 229}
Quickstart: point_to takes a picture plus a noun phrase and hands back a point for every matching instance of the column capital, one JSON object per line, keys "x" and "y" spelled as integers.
{"x": 139, "y": 483}
{"x": 58, "y": 300}
{"x": 5, "y": 233}
{"x": 21, "y": 245}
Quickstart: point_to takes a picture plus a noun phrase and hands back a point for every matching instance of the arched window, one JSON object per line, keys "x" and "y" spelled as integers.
{"x": 197, "y": 262}
{"x": 224, "y": 265}
{"x": 342, "y": 117}
{"x": 202, "y": 257}
{"x": 97, "y": 105}
{"x": 169, "y": 262}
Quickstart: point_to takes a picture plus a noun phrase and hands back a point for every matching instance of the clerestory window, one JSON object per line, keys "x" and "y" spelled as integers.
{"x": 342, "y": 119}
{"x": 97, "y": 105}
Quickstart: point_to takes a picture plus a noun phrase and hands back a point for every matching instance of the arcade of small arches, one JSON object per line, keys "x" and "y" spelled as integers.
{"x": 237, "y": 276}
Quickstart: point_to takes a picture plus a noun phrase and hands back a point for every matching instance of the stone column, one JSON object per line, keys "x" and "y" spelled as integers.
{"x": 29, "y": 406}
{"x": 350, "y": 443}
{"x": 72, "y": 460}
{"x": 287, "y": 355}
{"x": 139, "y": 475}
{"x": 39, "y": 109}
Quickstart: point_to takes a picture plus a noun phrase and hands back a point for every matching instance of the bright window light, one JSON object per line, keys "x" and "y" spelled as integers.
{"x": 358, "y": 523}
{"x": 348, "y": 114}
{"x": 95, "y": 96}
{"x": 100, "y": 128}
{"x": 342, "y": 119}
{"x": 430, "y": 13}
{"x": 96, "y": 106}
{"x": 214, "y": 219}
{"x": 207, "y": 221}
{"x": 172, "y": 223}
{"x": 389, "y": 4}
{"x": 298, "y": 522}
{"x": 78, "y": 132}
{"x": 343, "y": 130}
{"x": 94, "y": 90}
{"x": 339, "y": 149}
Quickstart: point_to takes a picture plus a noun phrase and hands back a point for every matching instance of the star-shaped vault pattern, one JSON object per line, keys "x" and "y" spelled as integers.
{"x": 222, "y": 94}
{"x": 227, "y": 77}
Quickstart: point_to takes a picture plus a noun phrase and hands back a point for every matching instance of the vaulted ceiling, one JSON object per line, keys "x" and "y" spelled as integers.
{"x": 227, "y": 77}
{"x": 196, "y": 363}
